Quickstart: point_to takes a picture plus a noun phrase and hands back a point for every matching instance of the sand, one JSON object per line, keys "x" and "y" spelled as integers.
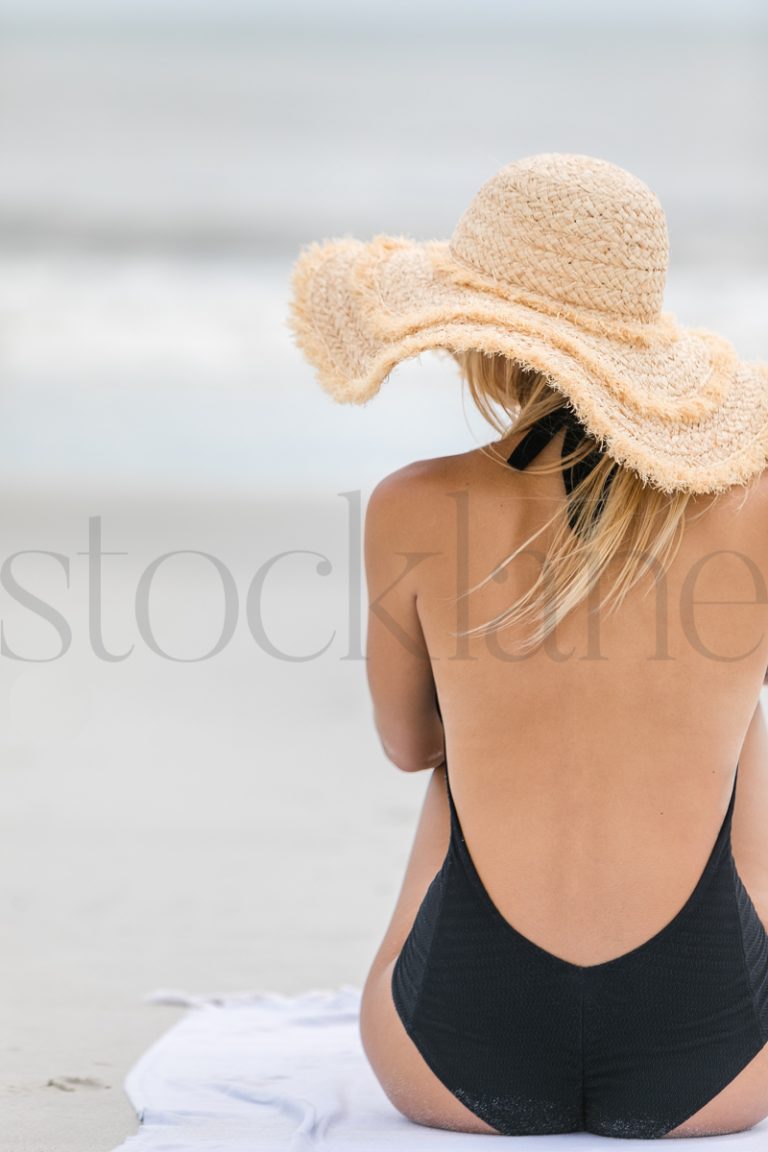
{"x": 194, "y": 826}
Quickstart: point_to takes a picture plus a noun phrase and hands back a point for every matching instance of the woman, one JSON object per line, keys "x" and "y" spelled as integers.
{"x": 579, "y": 942}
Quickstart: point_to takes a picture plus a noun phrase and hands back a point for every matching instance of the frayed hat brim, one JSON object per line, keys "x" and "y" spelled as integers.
{"x": 674, "y": 404}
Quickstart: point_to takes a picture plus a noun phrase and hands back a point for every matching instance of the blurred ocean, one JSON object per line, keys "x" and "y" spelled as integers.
{"x": 157, "y": 180}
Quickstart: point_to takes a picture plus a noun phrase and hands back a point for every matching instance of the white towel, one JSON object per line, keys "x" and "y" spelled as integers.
{"x": 264, "y": 1072}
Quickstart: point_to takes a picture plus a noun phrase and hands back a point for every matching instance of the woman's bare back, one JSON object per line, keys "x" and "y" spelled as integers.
{"x": 592, "y": 775}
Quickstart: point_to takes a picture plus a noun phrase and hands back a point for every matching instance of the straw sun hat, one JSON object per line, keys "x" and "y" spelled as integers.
{"x": 560, "y": 263}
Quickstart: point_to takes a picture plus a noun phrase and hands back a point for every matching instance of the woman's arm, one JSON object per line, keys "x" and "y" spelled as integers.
{"x": 399, "y": 669}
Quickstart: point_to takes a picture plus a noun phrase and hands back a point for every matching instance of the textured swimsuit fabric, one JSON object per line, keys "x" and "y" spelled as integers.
{"x": 631, "y": 1047}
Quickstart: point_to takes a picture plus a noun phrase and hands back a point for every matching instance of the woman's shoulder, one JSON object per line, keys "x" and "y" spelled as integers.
{"x": 409, "y": 507}
{"x": 429, "y": 475}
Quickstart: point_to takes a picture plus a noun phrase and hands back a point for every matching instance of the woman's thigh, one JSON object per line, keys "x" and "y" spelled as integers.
{"x": 430, "y": 845}
{"x": 407, "y": 1080}
{"x": 738, "y": 1107}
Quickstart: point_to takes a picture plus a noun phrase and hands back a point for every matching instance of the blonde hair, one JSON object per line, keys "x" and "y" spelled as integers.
{"x": 640, "y": 522}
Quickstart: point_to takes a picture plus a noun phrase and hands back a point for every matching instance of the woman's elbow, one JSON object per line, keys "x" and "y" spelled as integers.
{"x": 413, "y": 757}
{"x": 417, "y": 763}
{"x": 414, "y": 742}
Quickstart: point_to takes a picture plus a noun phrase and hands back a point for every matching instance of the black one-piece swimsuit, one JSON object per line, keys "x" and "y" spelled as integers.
{"x": 534, "y": 1045}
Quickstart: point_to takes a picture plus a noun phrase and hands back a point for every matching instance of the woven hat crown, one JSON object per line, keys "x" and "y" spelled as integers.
{"x": 580, "y": 231}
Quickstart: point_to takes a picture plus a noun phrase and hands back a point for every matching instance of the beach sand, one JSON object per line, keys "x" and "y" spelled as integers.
{"x": 216, "y": 826}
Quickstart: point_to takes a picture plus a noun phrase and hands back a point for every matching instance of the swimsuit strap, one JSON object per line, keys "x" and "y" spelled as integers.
{"x": 729, "y": 813}
{"x": 455, "y": 825}
{"x": 540, "y": 434}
